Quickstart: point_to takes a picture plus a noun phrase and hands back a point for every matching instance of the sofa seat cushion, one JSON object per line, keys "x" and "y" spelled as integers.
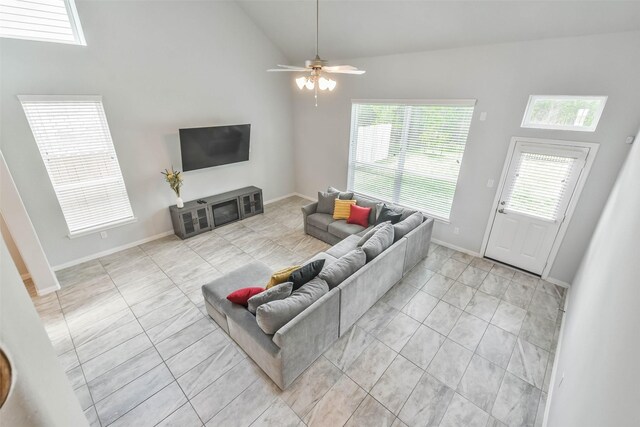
{"x": 216, "y": 291}
{"x": 343, "y": 247}
{"x": 320, "y": 220}
{"x": 343, "y": 230}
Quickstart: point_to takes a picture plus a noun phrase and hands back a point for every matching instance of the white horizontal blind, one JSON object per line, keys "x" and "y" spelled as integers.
{"x": 540, "y": 185}
{"x": 73, "y": 137}
{"x": 409, "y": 153}
{"x": 42, "y": 20}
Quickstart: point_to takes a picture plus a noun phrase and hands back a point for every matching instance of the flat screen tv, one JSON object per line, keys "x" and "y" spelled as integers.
{"x": 214, "y": 146}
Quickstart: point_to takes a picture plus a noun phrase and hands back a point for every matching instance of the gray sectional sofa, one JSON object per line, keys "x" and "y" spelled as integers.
{"x": 284, "y": 355}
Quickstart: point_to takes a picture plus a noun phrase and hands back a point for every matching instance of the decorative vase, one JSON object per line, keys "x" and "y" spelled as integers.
{"x": 179, "y": 202}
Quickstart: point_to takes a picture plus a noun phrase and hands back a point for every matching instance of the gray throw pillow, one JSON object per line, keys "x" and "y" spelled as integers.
{"x": 275, "y": 314}
{"x": 342, "y": 195}
{"x": 336, "y": 272}
{"x": 366, "y": 236}
{"x": 381, "y": 240}
{"x": 326, "y": 202}
{"x": 275, "y": 293}
{"x": 403, "y": 228}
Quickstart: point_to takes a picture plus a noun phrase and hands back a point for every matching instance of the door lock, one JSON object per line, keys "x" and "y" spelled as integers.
{"x": 501, "y": 210}
{"x": 503, "y": 203}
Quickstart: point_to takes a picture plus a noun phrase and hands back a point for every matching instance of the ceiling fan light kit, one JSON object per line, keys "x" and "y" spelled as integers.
{"x": 316, "y": 67}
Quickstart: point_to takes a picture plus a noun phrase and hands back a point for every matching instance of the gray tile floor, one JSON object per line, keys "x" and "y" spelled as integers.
{"x": 458, "y": 342}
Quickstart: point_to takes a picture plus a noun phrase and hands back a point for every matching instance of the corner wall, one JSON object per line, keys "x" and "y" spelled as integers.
{"x": 159, "y": 66}
{"x": 501, "y": 77}
{"x": 600, "y": 346}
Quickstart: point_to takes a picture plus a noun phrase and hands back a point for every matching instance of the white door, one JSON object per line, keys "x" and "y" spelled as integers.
{"x": 540, "y": 182}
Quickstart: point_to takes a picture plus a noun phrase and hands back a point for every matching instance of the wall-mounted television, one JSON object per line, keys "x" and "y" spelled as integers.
{"x": 214, "y": 146}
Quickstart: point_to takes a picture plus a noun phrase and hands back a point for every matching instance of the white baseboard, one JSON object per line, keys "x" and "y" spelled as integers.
{"x": 304, "y": 196}
{"x": 277, "y": 199}
{"x": 111, "y": 251}
{"x": 558, "y": 282}
{"x": 456, "y": 248}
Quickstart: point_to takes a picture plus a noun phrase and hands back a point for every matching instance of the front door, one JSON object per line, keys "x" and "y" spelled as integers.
{"x": 540, "y": 182}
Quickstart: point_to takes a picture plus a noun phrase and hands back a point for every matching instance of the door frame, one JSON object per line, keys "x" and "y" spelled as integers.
{"x": 593, "y": 150}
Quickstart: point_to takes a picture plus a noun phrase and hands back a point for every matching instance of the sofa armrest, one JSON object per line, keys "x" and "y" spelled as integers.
{"x": 307, "y": 210}
{"x": 308, "y": 335}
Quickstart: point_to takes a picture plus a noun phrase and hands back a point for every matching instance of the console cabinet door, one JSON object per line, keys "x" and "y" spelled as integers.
{"x": 189, "y": 224}
{"x": 251, "y": 204}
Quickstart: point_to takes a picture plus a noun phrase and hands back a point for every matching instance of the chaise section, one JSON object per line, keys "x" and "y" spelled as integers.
{"x": 215, "y": 292}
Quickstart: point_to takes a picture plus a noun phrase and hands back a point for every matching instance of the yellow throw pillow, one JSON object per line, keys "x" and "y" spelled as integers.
{"x": 281, "y": 276}
{"x": 342, "y": 209}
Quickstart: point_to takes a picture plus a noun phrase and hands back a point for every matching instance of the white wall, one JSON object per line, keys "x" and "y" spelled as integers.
{"x": 600, "y": 345}
{"x": 41, "y": 394}
{"x": 501, "y": 78}
{"x": 159, "y": 66}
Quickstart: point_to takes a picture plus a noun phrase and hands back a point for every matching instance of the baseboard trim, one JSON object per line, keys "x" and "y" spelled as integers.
{"x": 111, "y": 251}
{"x": 46, "y": 291}
{"x": 277, "y": 199}
{"x": 456, "y": 248}
{"x": 558, "y": 282}
{"x": 304, "y": 196}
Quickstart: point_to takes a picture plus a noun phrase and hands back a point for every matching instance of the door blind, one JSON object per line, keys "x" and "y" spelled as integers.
{"x": 43, "y": 20}
{"x": 409, "y": 153}
{"x": 73, "y": 137}
{"x": 539, "y": 185}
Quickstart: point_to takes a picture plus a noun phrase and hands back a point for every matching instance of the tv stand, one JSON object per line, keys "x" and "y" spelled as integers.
{"x": 198, "y": 216}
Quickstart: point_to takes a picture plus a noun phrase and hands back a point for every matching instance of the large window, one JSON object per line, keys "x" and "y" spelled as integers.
{"x": 578, "y": 113}
{"x": 409, "y": 153}
{"x": 41, "y": 20}
{"x": 73, "y": 137}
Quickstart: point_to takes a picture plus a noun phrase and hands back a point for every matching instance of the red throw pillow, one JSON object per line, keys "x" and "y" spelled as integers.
{"x": 359, "y": 215}
{"x": 241, "y": 296}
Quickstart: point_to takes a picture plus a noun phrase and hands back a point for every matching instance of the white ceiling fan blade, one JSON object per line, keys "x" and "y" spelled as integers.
{"x": 302, "y": 70}
{"x": 293, "y": 67}
{"x": 345, "y": 71}
{"x": 339, "y": 67}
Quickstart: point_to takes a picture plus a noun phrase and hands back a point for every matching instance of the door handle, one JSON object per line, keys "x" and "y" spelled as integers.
{"x": 501, "y": 211}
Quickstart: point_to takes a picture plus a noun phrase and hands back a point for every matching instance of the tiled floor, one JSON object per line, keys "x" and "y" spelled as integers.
{"x": 459, "y": 342}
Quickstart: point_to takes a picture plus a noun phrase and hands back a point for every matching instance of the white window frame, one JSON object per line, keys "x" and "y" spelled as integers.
{"x": 72, "y": 15}
{"x": 81, "y": 98}
{"x": 462, "y": 102}
{"x": 526, "y": 123}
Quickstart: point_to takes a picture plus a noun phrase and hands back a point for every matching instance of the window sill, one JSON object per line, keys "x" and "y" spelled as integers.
{"x": 101, "y": 228}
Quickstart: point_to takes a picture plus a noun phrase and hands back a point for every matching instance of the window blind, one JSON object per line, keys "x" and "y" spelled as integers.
{"x": 73, "y": 137}
{"x": 540, "y": 185}
{"x": 42, "y": 20}
{"x": 409, "y": 153}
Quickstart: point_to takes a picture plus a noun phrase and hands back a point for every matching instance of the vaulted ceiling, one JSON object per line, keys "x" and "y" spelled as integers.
{"x": 360, "y": 28}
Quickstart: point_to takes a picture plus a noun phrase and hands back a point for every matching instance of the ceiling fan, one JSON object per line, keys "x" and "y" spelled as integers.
{"x": 316, "y": 68}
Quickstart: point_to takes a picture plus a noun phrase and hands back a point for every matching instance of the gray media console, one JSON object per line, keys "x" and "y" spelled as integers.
{"x": 195, "y": 218}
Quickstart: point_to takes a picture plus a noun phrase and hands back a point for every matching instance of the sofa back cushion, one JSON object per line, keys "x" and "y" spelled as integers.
{"x": 381, "y": 240}
{"x": 366, "y": 236}
{"x": 403, "y": 228}
{"x": 275, "y": 293}
{"x": 342, "y": 195}
{"x": 275, "y": 314}
{"x": 336, "y": 272}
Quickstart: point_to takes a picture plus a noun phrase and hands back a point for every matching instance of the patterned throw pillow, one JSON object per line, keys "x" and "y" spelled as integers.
{"x": 342, "y": 208}
{"x": 281, "y": 276}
